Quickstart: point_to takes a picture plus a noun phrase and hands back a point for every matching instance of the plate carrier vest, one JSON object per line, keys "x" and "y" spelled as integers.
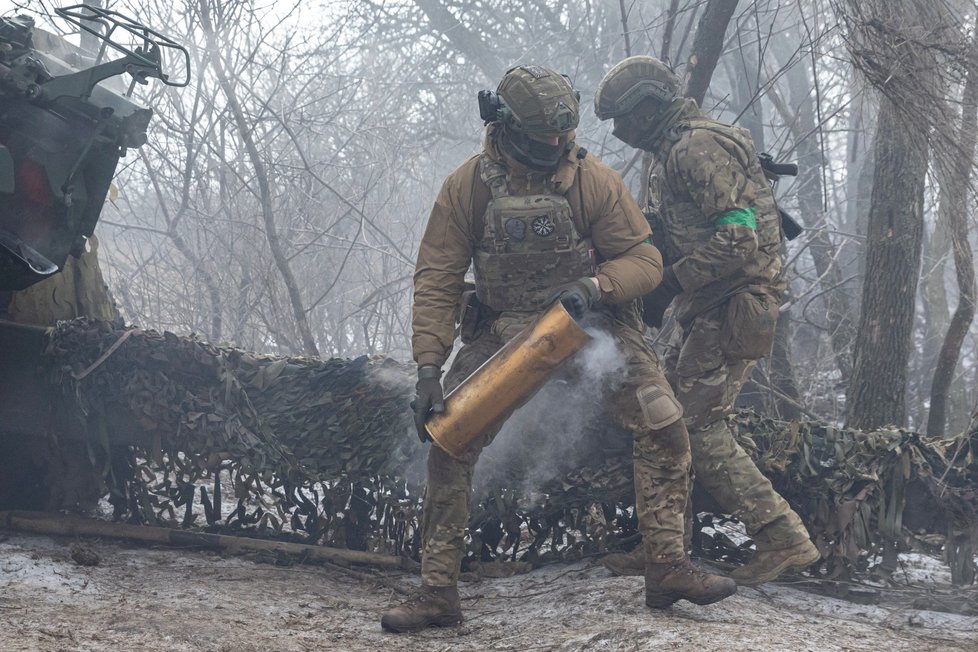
{"x": 685, "y": 225}
{"x": 529, "y": 246}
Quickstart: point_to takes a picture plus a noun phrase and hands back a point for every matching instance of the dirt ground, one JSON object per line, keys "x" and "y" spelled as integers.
{"x": 140, "y": 598}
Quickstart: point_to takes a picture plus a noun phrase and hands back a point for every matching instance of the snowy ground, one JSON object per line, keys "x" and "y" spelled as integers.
{"x": 148, "y": 599}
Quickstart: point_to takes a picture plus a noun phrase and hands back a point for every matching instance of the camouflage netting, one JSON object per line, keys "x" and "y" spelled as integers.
{"x": 324, "y": 451}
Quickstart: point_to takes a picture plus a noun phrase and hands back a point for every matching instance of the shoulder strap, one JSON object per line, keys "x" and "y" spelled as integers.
{"x": 480, "y": 197}
{"x": 733, "y": 132}
{"x": 494, "y": 176}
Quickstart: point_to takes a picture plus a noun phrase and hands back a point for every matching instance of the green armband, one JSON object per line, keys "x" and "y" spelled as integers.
{"x": 743, "y": 216}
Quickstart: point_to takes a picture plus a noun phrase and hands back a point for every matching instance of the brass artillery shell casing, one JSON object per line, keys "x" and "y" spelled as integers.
{"x": 507, "y": 380}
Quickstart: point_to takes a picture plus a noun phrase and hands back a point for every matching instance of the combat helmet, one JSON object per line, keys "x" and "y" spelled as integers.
{"x": 631, "y": 81}
{"x": 535, "y": 102}
{"x": 538, "y": 100}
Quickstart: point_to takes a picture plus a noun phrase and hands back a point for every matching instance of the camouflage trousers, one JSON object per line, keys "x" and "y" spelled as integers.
{"x": 661, "y": 457}
{"x": 707, "y": 381}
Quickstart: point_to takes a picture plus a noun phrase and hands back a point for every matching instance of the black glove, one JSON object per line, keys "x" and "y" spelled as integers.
{"x": 578, "y": 296}
{"x": 429, "y": 398}
{"x": 654, "y": 303}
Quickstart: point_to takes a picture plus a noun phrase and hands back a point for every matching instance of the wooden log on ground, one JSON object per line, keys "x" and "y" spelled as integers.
{"x": 62, "y": 525}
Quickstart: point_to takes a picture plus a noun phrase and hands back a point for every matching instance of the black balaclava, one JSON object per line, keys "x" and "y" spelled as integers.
{"x": 534, "y": 154}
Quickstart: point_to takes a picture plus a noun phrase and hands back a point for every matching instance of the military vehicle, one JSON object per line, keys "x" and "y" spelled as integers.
{"x": 66, "y": 119}
{"x": 62, "y": 132}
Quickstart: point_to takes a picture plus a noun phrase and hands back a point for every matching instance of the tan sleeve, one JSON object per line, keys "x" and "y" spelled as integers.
{"x": 632, "y": 267}
{"x": 439, "y": 276}
{"x": 633, "y": 274}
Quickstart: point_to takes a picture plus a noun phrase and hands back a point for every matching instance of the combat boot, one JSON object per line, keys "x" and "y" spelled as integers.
{"x": 633, "y": 563}
{"x": 434, "y": 606}
{"x": 669, "y": 582}
{"x": 626, "y": 563}
{"x": 766, "y": 565}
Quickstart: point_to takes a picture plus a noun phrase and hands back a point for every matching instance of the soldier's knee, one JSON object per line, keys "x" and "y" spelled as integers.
{"x": 659, "y": 406}
{"x": 715, "y": 449}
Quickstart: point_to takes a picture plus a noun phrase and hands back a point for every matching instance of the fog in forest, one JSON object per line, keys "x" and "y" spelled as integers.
{"x": 280, "y": 199}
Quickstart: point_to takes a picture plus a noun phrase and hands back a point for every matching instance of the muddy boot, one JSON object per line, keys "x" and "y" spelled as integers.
{"x": 766, "y": 565}
{"x": 434, "y": 606}
{"x": 681, "y": 580}
{"x": 626, "y": 563}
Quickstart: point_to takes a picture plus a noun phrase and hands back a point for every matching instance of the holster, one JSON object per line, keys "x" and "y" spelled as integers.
{"x": 474, "y": 318}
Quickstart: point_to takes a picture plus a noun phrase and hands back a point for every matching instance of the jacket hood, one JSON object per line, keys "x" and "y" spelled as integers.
{"x": 683, "y": 110}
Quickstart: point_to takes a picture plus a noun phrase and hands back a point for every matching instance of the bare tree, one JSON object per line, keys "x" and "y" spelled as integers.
{"x": 810, "y": 195}
{"x": 707, "y": 47}
{"x": 956, "y": 182}
{"x": 264, "y": 190}
{"x": 896, "y": 45}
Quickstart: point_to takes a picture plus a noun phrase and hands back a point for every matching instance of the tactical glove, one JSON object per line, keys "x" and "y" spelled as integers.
{"x": 428, "y": 398}
{"x": 578, "y": 296}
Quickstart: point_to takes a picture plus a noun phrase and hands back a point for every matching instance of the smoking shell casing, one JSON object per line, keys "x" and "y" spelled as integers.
{"x": 507, "y": 380}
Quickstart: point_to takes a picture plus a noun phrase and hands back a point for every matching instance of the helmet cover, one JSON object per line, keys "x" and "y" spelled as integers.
{"x": 632, "y": 80}
{"x": 538, "y": 100}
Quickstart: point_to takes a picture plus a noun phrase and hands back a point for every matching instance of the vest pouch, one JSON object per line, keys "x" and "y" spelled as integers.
{"x": 747, "y": 331}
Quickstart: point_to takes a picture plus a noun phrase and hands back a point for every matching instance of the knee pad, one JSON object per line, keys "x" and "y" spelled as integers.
{"x": 659, "y": 406}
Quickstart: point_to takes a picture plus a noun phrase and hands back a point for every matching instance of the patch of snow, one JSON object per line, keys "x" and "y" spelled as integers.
{"x": 172, "y": 600}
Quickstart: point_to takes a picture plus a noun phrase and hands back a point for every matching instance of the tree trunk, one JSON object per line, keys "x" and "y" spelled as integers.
{"x": 173, "y": 222}
{"x": 707, "y": 47}
{"x": 88, "y": 41}
{"x": 782, "y": 374}
{"x": 957, "y": 185}
{"x": 859, "y": 189}
{"x": 463, "y": 39}
{"x": 935, "y": 316}
{"x": 877, "y": 393}
{"x": 670, "y": 29}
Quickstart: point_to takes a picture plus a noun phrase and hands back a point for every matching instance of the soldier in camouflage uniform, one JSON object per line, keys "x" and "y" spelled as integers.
{"x": 541, "y": 220}
{"x": 721, "y": 233}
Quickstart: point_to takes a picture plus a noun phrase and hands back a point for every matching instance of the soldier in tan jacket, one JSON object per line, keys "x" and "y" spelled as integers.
{"x": 539, "y": 219}
{"x": 721, "y": 233}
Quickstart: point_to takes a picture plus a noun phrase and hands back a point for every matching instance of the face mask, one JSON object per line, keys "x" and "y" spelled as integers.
{"x": 532, "y": 153}
{"x": 628, "y": 131}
